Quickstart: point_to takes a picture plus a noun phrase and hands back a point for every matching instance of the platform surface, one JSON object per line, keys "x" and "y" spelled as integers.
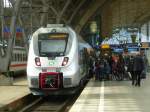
{"x": 114, "y": 96}
{"x": 9, "y": 94}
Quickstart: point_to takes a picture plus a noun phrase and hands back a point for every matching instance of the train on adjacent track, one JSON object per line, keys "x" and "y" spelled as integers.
{"x": 57, "y": 60}
{"x": 18, "y": 61}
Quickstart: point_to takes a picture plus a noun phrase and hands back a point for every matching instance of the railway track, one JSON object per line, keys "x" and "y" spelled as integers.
{"x": 49, "y": 104}
{"x": 53, "y": 103}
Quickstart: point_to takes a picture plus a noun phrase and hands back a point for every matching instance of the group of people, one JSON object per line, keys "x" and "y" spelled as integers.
{"x": 116, "y": 67}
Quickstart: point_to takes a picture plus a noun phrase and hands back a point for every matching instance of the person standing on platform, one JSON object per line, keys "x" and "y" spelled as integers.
{"x": 138, "y": 67}
{"x": 120, "y": 66}
{"x": 130, "y": 69}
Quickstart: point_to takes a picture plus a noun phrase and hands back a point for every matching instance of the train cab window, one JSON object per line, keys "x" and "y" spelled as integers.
{"x": 69, "y": 44}
{"x": 52, "y": 44}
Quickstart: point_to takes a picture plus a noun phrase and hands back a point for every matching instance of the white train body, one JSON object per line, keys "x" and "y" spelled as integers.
{"x": 55, "y": 60}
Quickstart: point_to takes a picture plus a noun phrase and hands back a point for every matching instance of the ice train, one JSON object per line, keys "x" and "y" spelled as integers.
{"x": 18, "y": 60}
{"x": 57, "y": 60}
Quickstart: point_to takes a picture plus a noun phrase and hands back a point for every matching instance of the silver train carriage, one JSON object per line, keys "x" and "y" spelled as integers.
{"x": 18, "y": 62}
{"x": 56, "y": 60}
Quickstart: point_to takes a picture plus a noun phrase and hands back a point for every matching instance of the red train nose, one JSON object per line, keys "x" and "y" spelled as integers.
{"x": 50, "y": 80}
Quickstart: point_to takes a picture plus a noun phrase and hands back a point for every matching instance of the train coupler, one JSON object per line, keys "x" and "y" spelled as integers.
{"x": 51, "y": 80}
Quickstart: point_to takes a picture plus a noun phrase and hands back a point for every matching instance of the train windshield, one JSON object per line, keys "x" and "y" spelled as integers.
{"x": 52, "y": 44}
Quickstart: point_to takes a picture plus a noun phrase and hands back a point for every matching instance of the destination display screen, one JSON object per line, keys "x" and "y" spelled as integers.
{"x": 53, "y": 36}
{"x": 52, "y": 44}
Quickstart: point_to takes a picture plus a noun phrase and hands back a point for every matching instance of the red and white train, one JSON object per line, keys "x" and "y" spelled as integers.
{"x": 57, "y": 60}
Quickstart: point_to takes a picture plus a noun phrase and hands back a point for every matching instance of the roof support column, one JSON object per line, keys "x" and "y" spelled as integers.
{"x": 2, "y": 18}
{"x": 44, "y": 15}
{"x": 12, "y": 30}
{"x": 74, "y": 13}
{"x": 59, "y": 15}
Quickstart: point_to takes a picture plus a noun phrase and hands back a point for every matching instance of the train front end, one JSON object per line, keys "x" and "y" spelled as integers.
{"x": 50, "y": 61}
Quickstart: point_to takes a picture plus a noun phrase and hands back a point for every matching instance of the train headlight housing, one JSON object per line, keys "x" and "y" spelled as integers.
{"x": 37, "y": 61}
{"x": 65, "y": 61}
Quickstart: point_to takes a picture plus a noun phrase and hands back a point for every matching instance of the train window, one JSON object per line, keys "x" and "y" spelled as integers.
{"x": 69, "y": 44}
{"x": 21, "y": 57}
{"x": 18, "y": 57}
{"x": 12, "y": 57}
{"x": 57, "y": 42}
{"x": 24, "y": 59}
{"x": 81, "y": 57}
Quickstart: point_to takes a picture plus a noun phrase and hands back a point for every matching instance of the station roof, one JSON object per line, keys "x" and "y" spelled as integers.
{"x": 73, "y": 12}
{"x": 114, "y": 13}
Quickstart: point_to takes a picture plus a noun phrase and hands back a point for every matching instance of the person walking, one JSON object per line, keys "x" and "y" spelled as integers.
{"x": 120, "y": 66}
{"x": 130, "y": 69}
{"x": 138, "y": 67}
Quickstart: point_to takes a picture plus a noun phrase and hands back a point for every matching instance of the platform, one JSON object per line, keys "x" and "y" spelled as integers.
{"x": 113, "y": 96}
{"x": 10, "y": 94}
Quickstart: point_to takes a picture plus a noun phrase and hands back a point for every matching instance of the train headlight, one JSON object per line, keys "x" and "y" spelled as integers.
{"x": 65, "y": 61}
{"x": 37, "y": 61}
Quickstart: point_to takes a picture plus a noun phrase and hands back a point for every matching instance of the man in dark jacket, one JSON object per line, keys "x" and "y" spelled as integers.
{"x": 130, "y": 69}
{"x": 138, "y": 67}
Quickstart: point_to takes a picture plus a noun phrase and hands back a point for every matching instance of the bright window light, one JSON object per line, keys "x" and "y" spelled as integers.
{"x": 7, "y": 4}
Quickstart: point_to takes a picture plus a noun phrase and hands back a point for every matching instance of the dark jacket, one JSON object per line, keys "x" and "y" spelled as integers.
{"x": 130, "y": 65}
{"x": 138, "y": 63}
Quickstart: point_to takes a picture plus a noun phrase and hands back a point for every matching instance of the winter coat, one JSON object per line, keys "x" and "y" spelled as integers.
{"x": 130, "y": 65}
{"x": 138, "y": 64}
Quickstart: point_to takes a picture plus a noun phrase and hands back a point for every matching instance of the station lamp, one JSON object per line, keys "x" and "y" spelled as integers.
{"x": 93, "y": 29}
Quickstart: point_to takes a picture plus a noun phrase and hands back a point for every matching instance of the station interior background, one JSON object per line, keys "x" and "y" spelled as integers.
{"x": 97, "y": 21}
